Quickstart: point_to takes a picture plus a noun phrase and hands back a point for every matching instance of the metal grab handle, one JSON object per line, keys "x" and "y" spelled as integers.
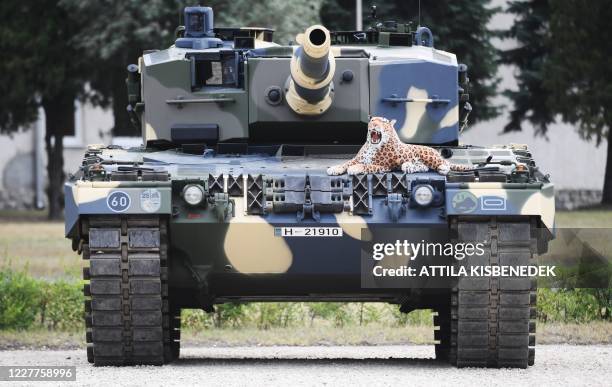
{"x": 395, "y": 99}
{"x": 180, "y": 102}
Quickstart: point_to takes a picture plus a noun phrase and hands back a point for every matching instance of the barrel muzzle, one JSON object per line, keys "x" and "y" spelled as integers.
{"x": 309, "y": 89}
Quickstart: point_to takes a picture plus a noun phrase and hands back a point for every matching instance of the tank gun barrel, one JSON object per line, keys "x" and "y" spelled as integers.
{"x": 310, "y": 89}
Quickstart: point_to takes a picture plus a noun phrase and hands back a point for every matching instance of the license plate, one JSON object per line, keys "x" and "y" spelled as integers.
{"x": 308, "y": 231}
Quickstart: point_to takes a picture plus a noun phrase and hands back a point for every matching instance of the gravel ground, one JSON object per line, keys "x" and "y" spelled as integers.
{"x": 359, "y": 365}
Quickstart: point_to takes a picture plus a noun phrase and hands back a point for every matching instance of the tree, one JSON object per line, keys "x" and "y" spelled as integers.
{"x": 531, "y": 32}
{"x": 287, "y": 17}
{"x": 579, "y": 74}
{"x": 40, "y": 68}
{"x": 459, "y": 26}
{"x": 564, "y": 69}
{"x": 120, "y": 30}
{"x": 340, "y": 15}
{"x": 117, "y": 33}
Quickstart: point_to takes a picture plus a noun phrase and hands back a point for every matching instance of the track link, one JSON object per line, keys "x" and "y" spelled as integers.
{"x": 127, "y": 313}
{"x": 490, "y": 321}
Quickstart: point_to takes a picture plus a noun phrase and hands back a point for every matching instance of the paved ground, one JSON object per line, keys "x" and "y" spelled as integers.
{"x": 355, "y": 366}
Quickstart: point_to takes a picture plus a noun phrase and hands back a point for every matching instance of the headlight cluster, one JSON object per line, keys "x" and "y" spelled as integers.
{"x": 193, "y": 194}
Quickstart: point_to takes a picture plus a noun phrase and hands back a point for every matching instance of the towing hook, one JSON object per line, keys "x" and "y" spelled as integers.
{"x": 396, "y": 204}
{"x": 223, "y": 206}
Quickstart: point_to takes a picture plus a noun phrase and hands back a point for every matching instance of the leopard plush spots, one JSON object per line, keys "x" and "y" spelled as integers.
{"x": 384, "y": 151}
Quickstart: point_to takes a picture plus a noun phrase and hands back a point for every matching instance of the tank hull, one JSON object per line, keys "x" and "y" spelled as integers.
{"x": 235, "y": 249}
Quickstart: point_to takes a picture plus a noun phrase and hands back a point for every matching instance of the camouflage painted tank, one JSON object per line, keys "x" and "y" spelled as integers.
{"x": 228, "y": 199}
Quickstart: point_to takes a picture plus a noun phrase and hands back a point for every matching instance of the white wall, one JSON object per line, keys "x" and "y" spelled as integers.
{"x": 92, "y": 126}
{"x": 17, "y": 155}
{"x": 21, "y": 143}
{"x": 17, "y": 166}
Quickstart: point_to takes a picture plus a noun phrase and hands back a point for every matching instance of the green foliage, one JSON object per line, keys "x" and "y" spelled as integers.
{"x": 369, "y": 313}
{"x": 38, "y": 65}
{"x": 19, "y": 297}
{"x": 459, "y": 26}
{"x": 574, "y": 305}
{"x": 416, "y": 317}
{"x": 531, "y": 32}
{"x": 117, "y": 32}
{"x": 30, "y": 303}
{"x": 579, "y": 73}
{"x": 196, "y": 319}
{"x": 334, "y": 311}
{"x": 26, "y": 302}
{"x": 63, "y": 305}
{"x": 287, "y": 17}
{"x": 229, "y": 315}
{"x": 563, "y": 63}
{"x": 268, "y": 315}
{"x": 339, "y": 15}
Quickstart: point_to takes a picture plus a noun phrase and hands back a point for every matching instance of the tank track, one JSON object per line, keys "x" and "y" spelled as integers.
{"x": 490, "y": 322}
{"x": 127, "y": 313}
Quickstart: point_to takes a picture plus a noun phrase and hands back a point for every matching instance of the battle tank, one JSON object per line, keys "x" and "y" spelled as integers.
{"x": 218, "y": 204}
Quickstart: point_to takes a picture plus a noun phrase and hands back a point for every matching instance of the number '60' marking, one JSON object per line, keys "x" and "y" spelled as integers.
{"x": 118, "y": 201}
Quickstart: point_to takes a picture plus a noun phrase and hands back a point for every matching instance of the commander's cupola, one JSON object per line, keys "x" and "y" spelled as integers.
{"x": 199, "y": 29}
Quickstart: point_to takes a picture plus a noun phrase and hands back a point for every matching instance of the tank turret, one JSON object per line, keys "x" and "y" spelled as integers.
{"x": 310, "y": 89}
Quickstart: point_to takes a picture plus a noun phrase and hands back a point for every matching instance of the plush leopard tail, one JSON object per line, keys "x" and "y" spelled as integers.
{"x": 434, "y": 160}
{"x": 460, "y": 167}
{"x": 445, "y": 167}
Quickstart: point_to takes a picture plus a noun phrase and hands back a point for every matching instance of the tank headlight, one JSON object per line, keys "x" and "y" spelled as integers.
{"x": 193, "y": 194}
{"x": 423, "y": 195}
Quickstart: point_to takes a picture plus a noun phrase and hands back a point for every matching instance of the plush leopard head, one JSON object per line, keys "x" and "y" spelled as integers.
{"x": 380, "y": 131}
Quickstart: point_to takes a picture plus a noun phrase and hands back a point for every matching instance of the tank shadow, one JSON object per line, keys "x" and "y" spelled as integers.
{"x": 303, "y": 361}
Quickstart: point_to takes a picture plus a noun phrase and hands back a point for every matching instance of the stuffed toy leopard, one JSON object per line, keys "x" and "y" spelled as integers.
{"x": 384, "y": 151}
